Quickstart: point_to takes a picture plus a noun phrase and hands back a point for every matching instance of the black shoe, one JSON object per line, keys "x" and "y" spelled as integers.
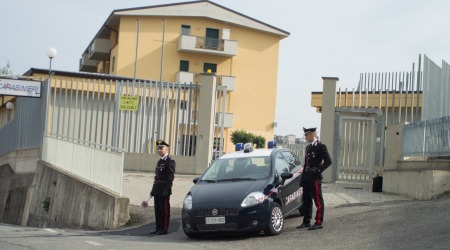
{"x": 154, "y": 232}
{"x": 303, "y": 225}
{"x": 315, "y": 227}
{"x": 160, "y": 233}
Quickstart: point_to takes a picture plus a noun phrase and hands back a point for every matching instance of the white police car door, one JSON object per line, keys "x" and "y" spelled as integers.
{"x": 286, "y": 162}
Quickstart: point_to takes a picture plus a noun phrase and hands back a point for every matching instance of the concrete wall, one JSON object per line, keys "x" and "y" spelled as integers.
{"x": 420, "y": 180}
{"x": 61, "y": 199}
{"x": 21, "y": 161}
{"x": 99, "y": 166}
{"x": 13, "y": 194}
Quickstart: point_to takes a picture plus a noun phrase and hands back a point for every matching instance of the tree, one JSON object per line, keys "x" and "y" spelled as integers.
{"x": 259, "y": 141}
{"x": 241, "y": 136}
{"x": 6, "y": 70}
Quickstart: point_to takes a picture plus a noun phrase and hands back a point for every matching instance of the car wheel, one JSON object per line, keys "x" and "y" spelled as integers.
{"x": 276, "y": 221}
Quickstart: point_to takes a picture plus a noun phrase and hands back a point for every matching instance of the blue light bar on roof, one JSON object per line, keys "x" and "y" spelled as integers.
{"x": 239, "y": 146}
{"x": 271, "y": 144}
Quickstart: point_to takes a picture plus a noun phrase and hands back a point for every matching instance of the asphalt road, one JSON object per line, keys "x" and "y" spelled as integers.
{"x": 398, "y": 225}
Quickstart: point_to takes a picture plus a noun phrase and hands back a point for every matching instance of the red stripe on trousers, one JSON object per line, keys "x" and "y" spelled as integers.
{"x": 318, "y": 203}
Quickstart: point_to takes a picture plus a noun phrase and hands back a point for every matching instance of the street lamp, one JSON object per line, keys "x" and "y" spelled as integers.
{"x": 51, "y": 53}
{"x": 9, "y": 107}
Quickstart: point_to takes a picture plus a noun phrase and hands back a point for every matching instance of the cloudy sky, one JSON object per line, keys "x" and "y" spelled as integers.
{"x": 328, "y": 38}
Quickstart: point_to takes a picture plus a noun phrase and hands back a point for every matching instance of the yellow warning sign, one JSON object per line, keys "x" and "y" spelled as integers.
{"x": 129, "y": 103}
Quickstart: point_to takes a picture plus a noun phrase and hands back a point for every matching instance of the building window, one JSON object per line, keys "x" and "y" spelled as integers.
{"x": 209, "y": 68}
{"x": 113, "y": 64}
{"x": 185, "y": 30}
{"x": 184, "y": 66}
{"x": 212, "y": 38}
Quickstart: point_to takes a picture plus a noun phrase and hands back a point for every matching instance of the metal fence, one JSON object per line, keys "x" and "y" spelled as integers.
{"x": 388, "y": 97}
{"x": 95, "y": 113}
{"x": 24, "y": 130}
{"x": 429, "y": 138}
{"x": 89, "y": 112}
{"x": 398, "y": 94}
{"x": 297, "y": 149}
{"x": 436, "y": 90}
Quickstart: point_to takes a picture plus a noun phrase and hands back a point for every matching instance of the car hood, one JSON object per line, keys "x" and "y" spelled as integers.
{"x": 225, "y": 192}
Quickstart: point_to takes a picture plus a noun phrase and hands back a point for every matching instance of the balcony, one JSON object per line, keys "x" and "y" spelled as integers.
{"x": 100, "y": 49}
{"x": 204, "y": 45}
{"x": 227, "y": 81}
{"x": 184, "y": 77}
{"x": 87, "y": 65}
{"x": 227, "y": 120}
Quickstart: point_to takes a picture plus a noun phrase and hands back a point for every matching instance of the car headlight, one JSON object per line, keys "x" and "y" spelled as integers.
{"x": 187, "y": 203}
{"x": 253, "y": 199}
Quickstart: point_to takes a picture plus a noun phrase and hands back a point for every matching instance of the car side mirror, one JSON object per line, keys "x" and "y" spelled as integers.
{"x": 195, "y": 180}
{"x": 286, "y": 176}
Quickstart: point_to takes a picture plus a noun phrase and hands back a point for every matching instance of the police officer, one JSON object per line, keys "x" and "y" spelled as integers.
{"x": 317, "y": 160}
{"x": 162, "y": 188}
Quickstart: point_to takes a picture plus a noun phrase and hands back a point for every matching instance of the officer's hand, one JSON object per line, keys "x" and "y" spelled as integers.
{"x": 316, "y": 170}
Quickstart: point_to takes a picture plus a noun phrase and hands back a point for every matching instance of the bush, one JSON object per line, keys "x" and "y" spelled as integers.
{"x": 239, "y": 136}
{"x": 259, "y": 141}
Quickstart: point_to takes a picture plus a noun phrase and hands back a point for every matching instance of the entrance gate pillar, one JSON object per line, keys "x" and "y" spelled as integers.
{"x": 206, "y": 110}
{"x": 327, "y": 123}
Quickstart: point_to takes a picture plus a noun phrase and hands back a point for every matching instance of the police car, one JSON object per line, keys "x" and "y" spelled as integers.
{"x": 250, "y": 190}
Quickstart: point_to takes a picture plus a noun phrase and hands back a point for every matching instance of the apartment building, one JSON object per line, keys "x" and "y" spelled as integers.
{"x": 177, "y": 42}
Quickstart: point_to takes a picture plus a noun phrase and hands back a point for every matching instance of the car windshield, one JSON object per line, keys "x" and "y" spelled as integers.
{"x": 238, "y": 169}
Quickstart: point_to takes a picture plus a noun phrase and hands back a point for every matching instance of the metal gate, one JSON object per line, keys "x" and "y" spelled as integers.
{"x": 357, "y": 148}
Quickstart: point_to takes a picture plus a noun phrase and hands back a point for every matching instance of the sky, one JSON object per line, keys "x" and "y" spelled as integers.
{"x": 327, "y": 38}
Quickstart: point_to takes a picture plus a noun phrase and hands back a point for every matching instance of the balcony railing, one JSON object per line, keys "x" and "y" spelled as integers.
{"x": 228, "y": 81}
{"x": 227, "y": 120}
{"x": 87, "y": 65}
{"x": 100, "y": 49}
{"x": 206, "y": 45}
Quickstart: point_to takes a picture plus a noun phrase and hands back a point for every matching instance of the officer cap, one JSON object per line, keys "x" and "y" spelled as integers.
{"x": 309, "y": 130}
{"x": 161, "y": 143}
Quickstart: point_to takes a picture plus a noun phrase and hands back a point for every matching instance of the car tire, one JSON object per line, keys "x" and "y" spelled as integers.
{"x": 276, "y": 221}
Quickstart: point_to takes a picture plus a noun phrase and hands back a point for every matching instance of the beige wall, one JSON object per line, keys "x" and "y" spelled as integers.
{"x": 257, "y": 52}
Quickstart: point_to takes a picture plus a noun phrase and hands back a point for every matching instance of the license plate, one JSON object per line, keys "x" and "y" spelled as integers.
{"x": 215, "y": 220}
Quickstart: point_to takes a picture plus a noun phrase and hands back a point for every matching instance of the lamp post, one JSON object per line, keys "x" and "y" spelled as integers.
{"x": 51, "y": 53}
{"x": 9, "y": 107}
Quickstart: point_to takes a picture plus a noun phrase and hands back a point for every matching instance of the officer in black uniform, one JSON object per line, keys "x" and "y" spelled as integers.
{"x": 162, "y": 188}
{"x": 317, "y": 160}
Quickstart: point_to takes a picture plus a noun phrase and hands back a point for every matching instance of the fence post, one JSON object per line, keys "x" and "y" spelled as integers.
{"x": 204, "y": 147}
{"x": 327, "y": 121}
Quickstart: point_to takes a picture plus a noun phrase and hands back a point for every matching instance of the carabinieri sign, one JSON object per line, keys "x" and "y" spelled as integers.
{"x": 12, "y": 87}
